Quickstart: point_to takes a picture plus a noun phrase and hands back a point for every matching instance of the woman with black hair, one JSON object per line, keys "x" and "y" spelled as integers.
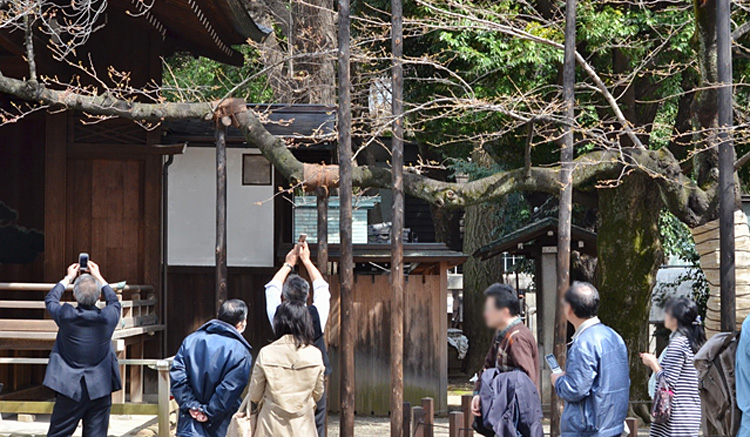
{"x": 289, "y": 376}
{"x": 675, "y": 365}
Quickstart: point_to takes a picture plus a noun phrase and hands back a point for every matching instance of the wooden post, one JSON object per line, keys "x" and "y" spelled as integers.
{"x": 346, "y": 261}
{"x": 419, "y": 428}
{"x": 397, "y": 228}
{"x": 429, "y": 417}
{"x": 221, "y": 214}
{"x": 468, "y": 415}
{"x": 455, "y": 424}
{"x": 407, "y": 419}
{"x": 136, "y": 373}
{"x": 632, "y": 423}
{"x": 163, "y": 367}
{"x": 726, "y": 166}
{"x": 566, "y": 201}
{"x": 323, "y": 231}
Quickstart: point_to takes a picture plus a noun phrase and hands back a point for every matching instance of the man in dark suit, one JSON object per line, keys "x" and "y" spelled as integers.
{"x": 82, "y": 367}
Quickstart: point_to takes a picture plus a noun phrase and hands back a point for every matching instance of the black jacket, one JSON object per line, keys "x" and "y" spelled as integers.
{"x": 83, "y": 349}
{"x": 510, "y": 404}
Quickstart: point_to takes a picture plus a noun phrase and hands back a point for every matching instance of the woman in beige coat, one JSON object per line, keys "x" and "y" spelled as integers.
{"x": 289, "y": 377}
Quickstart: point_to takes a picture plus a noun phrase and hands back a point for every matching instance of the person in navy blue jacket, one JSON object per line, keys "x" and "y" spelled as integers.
{"x": 82, "y": 367}
{"x": 210, "y": 372}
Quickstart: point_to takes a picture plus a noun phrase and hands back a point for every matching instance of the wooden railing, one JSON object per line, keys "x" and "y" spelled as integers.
{"x": 138, "y": 309}
{"x": 161, "y": 409}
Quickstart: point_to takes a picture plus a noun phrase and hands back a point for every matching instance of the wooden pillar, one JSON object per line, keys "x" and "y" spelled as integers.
{"x": 566, "y": 200}
{"x": 221, "y": 214}
{"x": 397, "y": 228}
{"x": 468, "y": 416}
{"x": 455, "y": 424}
{"x": 346, "y": 261}
{"x": 418, "y": 421}
{"x": 407, "y": 420}
{"x": 323, "y": 231}
{"x": 136, "y": 373}
{"x": 727, "y": 195}
{"x": 429, "y": 417}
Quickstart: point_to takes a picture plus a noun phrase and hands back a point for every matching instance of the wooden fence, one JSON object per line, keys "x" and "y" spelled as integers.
{"x": 161, "y": 409}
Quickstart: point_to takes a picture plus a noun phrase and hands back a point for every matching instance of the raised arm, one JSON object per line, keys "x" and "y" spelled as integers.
{"x": 52, "y": 300}
{"x": 273, "y": 288}
{"x": 321, "y": 290}
{"x": 114, "y": 307}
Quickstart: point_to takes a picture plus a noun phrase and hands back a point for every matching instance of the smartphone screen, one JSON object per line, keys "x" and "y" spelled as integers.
{"x": 83, "y": 261}
{"x": 302, "y": 238}
{"x": 554, "y": 366}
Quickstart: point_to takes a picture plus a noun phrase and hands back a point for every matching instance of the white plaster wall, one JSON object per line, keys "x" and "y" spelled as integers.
{"x": 192, "y": 212}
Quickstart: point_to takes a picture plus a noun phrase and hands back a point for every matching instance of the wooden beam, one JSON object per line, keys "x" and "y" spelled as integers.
{"x": 566, "y": 202}
{"x": 727, "y": 192}
{"x": 397, "y": 227}
{"x": 346, "y": 261}
{"x": 120, "y": 409}
{"x": 221, "y": 215}
{"x": 322, "y": 246}
{"x": 124, "y": 150}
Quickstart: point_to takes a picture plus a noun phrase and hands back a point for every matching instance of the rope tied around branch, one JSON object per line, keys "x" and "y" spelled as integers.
{"x": 320, "y": 176}
{"x": 226, "y": 112}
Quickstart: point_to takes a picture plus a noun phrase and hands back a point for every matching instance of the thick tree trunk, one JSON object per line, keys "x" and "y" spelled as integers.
{"x": 707, "y": 244}
{"x": 630, "y": 254}
{"x": 481, "y": 223}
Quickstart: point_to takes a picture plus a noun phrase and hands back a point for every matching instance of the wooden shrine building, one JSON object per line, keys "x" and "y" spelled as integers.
{"x": 67, "y": 186}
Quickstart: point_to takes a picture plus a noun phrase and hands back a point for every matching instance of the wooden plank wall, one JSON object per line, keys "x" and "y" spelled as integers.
{"x": 190, "y": 300}
{"x": 425, "y": 348}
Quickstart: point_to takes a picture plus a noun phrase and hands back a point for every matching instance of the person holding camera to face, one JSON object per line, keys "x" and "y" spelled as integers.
{"x": 82, "y": 367}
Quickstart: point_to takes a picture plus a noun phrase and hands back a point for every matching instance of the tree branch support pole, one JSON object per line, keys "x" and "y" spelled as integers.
{"x": 346, "y": 261}
{"x": 397, "y": 228}
{"x": 566, "y": 200}
{"x": 322, "y": 204}
{"x": 221, "y": 214}
{"x": 726, "y": 166}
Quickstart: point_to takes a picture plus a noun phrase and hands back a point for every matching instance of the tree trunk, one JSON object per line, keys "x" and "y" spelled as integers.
{"x": 481, "y": 223}
{"x": 707, "y": 244}
{"x": 629, "y": 255}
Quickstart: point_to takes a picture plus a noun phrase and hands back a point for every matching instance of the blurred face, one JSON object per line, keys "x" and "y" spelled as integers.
{"x": 670, "y": 322}
{"x": 494, "y": 317}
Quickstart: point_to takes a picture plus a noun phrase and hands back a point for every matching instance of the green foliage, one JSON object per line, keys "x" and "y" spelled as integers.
{"x": 189, "y": 78}
{"x": 677, "y": 241}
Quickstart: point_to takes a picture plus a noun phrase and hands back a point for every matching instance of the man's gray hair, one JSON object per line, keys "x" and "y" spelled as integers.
{"x": 296, "y": 289}
{"x": 86, "y": 290}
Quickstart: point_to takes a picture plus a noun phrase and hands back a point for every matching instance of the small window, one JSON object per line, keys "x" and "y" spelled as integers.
{"x": 256, "y": 170}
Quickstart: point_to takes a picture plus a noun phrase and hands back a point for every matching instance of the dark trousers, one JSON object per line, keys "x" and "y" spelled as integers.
{"x": 67, "y": 413}
{"x": 320, "y": 415}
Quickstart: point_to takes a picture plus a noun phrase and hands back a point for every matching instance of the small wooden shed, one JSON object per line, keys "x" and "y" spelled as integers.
{"x": 425, "y": 331}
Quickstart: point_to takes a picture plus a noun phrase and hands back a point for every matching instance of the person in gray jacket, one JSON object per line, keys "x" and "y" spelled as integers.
{"x": 596, "y": 383}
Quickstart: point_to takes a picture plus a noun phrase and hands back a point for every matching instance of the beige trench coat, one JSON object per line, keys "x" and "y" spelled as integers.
{"x": 288, "y": 382}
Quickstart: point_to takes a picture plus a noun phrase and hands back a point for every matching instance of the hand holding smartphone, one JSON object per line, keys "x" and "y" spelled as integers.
{"x": 552, "y": 363}
{"x": 83, "y": 261}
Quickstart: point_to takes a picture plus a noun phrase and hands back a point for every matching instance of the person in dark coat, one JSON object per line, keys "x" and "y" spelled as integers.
{"x": 513, "y": 348}
{"x": 295, "y": 288}
{"x": 210, "y": 372}
{"x": 82, "y": 369}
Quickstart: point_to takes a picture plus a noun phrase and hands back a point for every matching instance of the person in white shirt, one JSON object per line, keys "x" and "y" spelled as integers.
{"x": 295, "y": 288}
